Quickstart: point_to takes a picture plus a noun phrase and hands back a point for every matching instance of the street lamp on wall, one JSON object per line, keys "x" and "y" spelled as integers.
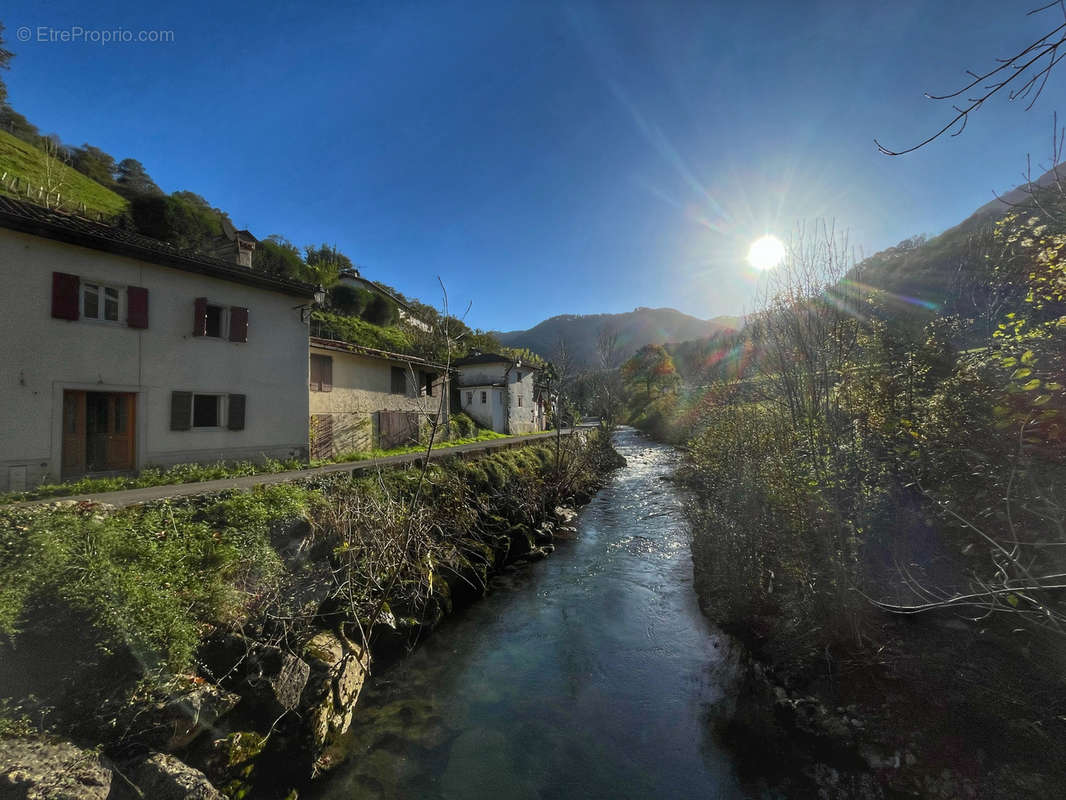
{"x": 319, "y": 297}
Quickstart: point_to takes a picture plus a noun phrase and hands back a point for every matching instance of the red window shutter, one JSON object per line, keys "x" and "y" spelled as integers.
{"x": 137, "y": 307}
{"x": 238, "y": 324}
{"x": 65, "y": 295}
{"x": 199, "y": 320}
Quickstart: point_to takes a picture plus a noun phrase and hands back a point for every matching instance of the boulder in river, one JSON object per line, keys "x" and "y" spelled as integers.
{"x": 339, "y": 668}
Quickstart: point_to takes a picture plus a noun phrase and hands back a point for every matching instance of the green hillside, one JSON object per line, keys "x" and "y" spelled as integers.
{"x": 953, "y": 273}
{"x": 29, "y": 165}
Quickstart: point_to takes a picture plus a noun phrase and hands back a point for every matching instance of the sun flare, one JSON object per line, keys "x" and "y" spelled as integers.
{"x": 766, "y": 253}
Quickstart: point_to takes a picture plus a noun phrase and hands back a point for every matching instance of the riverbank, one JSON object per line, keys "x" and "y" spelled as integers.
{"x": 233, "y": 632}
{"x": 930, "y": 706}
{"x": 853, "y": 701}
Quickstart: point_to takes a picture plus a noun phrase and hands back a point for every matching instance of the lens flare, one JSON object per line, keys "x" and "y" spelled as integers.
{"x": 766, "y": 253}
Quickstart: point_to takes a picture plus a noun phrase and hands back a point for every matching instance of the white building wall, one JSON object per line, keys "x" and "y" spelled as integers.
{"x": 521, "y": 418}
{"x": 41, "y": 356}
{"x": 481, "y": 412}
{"x": 502, "y": 387}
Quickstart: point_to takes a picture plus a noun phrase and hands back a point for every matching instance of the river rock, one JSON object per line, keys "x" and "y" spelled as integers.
{"x": 564, "y": 515}
{"x": 537, "y": 553}
{"x": 521, "y": 542}
{"x": 339, "y": 668}
{"x": 163, "y": 777}
{"x": 230, "y": 761}
{"x": 274, "y": 681}
{"x": 188, "y": 715}
{"x": 36, "y": 769}
{"x": 544, "y": 532}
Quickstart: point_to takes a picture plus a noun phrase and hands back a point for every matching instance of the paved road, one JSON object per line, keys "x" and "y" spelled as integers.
{"x": 130, "y": 497}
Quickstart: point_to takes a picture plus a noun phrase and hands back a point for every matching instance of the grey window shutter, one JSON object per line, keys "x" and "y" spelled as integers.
{"x": 236, "y": 412}
{"x": 180, "y": 411}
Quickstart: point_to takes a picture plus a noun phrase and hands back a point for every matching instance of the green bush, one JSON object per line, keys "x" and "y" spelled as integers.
{"x": 381, "y": 311}
{"x": 349, "y": 300}
{"x": 465, "y": 426}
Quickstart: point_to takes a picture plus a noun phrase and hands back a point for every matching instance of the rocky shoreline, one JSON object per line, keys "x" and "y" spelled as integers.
{"x": 261, "y": 717}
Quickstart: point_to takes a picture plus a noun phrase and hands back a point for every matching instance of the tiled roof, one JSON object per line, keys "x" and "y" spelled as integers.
{"x": 484, "y": 358}
{"x": 371, "y": 352}
{"x": 47, "y": 223}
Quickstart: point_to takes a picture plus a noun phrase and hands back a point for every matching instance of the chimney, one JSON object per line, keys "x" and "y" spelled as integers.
{"x": 245, "y": 247}
{"x": 234, "y": 245}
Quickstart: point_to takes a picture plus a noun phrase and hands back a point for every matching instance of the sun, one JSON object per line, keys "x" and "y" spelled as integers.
{"x": 766, "y": 252}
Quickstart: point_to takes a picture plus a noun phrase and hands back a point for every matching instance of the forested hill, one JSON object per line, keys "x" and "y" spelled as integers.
{"x": 949, "y": 273}
{"x": 634, "y": 329}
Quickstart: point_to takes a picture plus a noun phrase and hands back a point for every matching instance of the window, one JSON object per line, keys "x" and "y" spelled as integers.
{"x": 100, "y": 302}
{"x": 518, "y": 377}
{"x": 519, "y": 401}
{"x": 213, "y": 321}
{"x": 428, "y": 381}
{"x": 484, "y": 398}
{"x": 321, "y": 373}
{"x": 189, "y": 410}
{"x": 399, "y": 381}
{"x": 72, "y": 299}
{"x": 469, "y": 398}
{"x": 220, "y": 322}
{"x": 206, "y": 410}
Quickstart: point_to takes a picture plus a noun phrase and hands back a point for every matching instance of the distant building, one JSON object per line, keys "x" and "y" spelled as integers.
{"x": 352, "y": 278}
{"x": 362, "y": 398}
{"x": 498, "y": 392}
{"x": 121, "y": 351}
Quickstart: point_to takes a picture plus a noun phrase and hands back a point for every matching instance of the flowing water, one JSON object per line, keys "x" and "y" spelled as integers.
{"x": 588, "y": 675}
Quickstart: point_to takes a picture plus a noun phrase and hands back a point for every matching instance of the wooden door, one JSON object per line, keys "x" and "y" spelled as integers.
{"x": 120, "y": 418}
{"x": 109, "y": 431}
{"x": 74, "y": 435}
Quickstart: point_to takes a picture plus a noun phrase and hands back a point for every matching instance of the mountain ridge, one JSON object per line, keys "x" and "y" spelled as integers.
{"x": 641, "y": 326}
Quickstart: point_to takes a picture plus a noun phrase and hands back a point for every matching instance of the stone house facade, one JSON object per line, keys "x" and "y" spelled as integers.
{"x": 362, "y": 398}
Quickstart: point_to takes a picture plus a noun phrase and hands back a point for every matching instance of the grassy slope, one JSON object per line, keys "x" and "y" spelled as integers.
{"x": 17, "y": 158}
{"x": 358, "y": 331}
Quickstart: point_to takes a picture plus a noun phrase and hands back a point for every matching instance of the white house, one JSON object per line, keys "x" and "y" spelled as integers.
{"x": 121, "y": 352}
{"x": 362, "y": 398}
{"x": 498, "y": 392}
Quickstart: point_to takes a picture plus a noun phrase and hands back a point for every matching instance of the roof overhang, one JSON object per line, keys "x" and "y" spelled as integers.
{"x": 69, "y": 229}
{"x": 338, "y": 346}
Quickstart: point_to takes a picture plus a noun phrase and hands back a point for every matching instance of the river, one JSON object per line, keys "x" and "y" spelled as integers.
{"x": 590, "y": 674}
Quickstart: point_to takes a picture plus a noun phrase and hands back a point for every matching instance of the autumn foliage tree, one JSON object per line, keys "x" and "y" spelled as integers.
{"x": 653, "y": 369}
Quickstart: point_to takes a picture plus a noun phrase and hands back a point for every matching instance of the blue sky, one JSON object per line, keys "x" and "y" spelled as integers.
{"x": 545, "y": 157}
